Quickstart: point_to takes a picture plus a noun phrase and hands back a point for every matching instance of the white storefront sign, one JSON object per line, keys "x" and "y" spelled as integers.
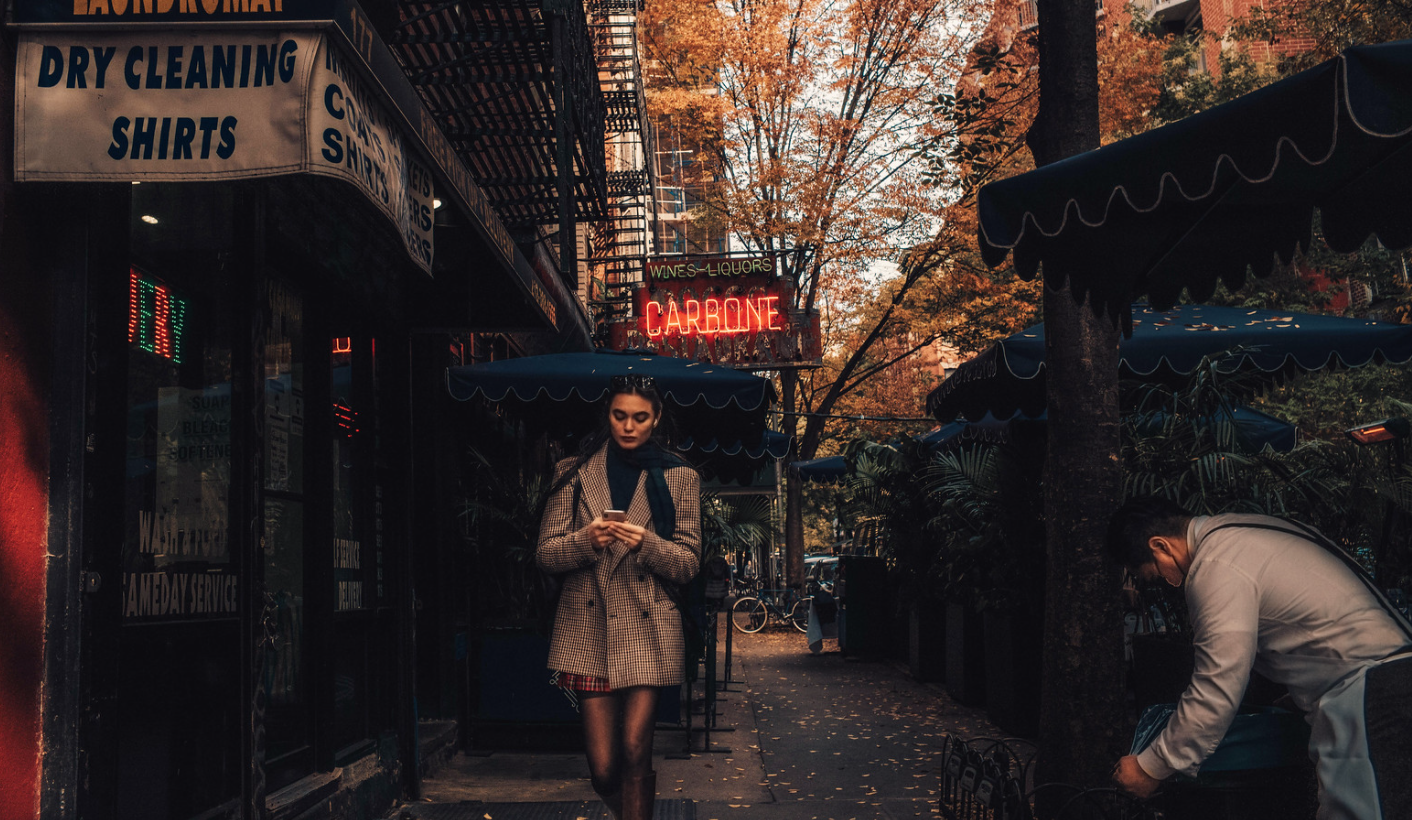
{"x": 212, "y": 105}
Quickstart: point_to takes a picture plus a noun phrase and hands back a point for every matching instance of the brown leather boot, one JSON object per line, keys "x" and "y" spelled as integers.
{"x": 639, "y": 797}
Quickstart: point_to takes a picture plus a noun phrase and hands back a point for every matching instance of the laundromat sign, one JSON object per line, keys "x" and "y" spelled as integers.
{"x": 214, "y": 105}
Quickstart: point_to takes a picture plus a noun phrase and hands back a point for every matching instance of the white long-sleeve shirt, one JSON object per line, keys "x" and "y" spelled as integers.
{"x": 1275, "y": 602}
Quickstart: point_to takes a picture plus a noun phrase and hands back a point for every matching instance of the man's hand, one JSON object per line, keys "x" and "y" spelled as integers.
{"x": 629, "y": 533}
{"x": 1131, "y": 778}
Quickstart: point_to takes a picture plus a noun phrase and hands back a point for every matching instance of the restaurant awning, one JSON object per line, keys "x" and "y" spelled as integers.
{"x": 1254, "y": 430}
{"x": 1166, "y": 346}
{"x": 707, "y": 403}
{"x": 826, "y": 470}
{"x": 585, "y": 377}
{"x": 770, "y": 444}
{"x": 1234, "y": 187}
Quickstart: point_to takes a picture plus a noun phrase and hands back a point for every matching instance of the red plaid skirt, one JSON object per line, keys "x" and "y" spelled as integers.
{"x": 582, "y": 683}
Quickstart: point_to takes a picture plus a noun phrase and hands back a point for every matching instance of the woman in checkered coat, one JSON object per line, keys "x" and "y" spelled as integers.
{"x": 617, "y": 633}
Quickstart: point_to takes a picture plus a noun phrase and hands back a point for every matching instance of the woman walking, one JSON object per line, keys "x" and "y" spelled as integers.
{"x": 623, "y": 526}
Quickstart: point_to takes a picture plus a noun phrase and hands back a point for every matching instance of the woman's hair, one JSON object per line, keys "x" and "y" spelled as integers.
{"x": 643, "y": 386}
{"x": 1137, "y": 522}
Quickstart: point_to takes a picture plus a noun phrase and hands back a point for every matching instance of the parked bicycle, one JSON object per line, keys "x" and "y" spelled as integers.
{"x": 752, "y": 612}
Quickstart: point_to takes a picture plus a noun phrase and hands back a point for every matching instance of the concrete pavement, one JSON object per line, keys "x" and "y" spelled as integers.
{"x": 811, "y": 737}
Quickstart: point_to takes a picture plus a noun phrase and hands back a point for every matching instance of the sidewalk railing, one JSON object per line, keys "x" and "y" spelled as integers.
{"x": 993, "y": 779}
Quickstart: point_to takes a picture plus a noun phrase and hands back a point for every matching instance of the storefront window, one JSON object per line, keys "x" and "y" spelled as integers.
{"x": 287, "y": 714}
{"x": 179, "y": 684}
{"x": 351, "y": 517}
{"x": 177, "y": 561}
{"x": 349, "y": 470}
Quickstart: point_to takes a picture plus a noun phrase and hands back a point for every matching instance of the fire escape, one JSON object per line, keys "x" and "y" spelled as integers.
{"x": 514, "y": 85}
{"x": 622, "y": 241}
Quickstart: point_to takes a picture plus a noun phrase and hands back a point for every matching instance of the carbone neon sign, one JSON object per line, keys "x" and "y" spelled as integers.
{"x": 712, "y": 316}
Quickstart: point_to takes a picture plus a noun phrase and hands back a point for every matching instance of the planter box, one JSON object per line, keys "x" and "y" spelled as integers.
{"x": 1014, "y": 646}
{"x": 965, "y": 655}
{"x": 866, "y": 603}
{"x": 516, "y": 708}
{"x": 512, "y": 679}
{"x": 926, "y": 642}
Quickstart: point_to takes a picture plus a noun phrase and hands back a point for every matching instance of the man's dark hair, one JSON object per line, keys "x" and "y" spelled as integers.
{"x": 1139, "y": 520}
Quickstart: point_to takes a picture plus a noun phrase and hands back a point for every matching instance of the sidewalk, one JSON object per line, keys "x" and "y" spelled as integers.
{"x": 809, "y": 737}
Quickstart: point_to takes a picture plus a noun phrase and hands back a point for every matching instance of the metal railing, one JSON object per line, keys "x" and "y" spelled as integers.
{"x": 993, "y": 779}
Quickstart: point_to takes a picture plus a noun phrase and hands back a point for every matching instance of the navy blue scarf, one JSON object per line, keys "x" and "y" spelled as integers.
{"x": 653, "y": 459}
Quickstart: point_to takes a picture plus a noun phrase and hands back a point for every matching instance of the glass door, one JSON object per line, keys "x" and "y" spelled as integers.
{"x": 178, "y": 680}
{"x": 285, "y": 676}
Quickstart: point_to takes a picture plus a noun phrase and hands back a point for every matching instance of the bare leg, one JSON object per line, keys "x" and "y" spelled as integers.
{"x": 602, "y": 739}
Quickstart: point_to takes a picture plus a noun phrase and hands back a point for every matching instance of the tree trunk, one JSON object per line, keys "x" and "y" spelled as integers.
{"x": 1083, "y": 717}
{"x": 1083, "y": 720}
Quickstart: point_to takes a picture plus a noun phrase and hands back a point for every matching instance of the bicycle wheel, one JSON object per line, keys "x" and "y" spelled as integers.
{"x": 799, "y": 615}
{"x": 748, "y": 615}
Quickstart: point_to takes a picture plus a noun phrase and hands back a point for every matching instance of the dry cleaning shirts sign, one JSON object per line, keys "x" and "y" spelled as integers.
{"x": 211, "y": 105}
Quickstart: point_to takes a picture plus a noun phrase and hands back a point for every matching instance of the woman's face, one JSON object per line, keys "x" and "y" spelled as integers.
{"x": 630, "y": 418}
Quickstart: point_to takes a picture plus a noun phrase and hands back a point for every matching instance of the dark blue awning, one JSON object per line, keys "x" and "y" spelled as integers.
{"x": 772, "y": 444}
{"x": 749, "y": 463}
{"x": 1166, "y": 346}
{"x": 586, "y": 376}
{"x": 1233, "y": 187}
{"x": 1254, "y": 430}
{"x": 827, "y": 470}
{"x": 988, "y": 429}
{"x": 712, "y": 405}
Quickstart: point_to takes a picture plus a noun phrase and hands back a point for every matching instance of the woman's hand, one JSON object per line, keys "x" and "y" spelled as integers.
{"x": 629, "y": 533}
{"x": 601, "y": 533}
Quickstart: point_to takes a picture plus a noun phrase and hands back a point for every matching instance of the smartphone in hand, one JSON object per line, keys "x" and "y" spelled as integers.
{"x": 614, "y": 515}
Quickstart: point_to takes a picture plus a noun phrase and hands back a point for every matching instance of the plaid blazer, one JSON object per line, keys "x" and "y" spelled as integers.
{"x": 614, "y": 620}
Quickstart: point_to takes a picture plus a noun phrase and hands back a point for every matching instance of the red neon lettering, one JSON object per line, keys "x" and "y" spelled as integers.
{"x": 708, "y": 317}
{"x": 673, "y": 318}
{"x": 693, "y": 316}
{"x": 134, "y": 305}
{"x": 162, "y": 344}
{"x": 752, "y": 314}
{"x": 771, "y": 312}
{"x": 732, "y": 306}
{"x": 343, "y": 344}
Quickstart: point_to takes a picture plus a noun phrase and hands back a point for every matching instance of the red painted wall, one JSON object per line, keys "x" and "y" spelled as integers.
{"x": 24, "y": 490}
{"x": 24, "y": 446}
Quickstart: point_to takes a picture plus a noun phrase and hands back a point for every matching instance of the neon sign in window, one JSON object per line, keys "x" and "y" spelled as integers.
{"x": 156, "y": 317}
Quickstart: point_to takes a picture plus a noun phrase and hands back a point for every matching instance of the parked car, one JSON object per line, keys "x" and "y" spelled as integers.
{"x": 819, "y": 573}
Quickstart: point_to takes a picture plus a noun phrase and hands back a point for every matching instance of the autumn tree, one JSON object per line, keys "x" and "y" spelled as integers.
{"x": 819, "y": 106}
